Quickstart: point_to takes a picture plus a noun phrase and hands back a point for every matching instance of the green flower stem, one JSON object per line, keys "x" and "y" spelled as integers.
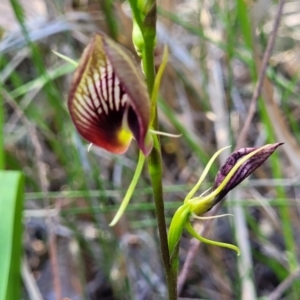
{"x": 155, "y": 171}
{"x": 155, "y": 161}
{"x": 148, "y": 66}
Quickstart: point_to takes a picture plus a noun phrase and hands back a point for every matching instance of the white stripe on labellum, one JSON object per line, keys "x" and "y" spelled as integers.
{"x": 103, "y": 88}
{"x": 83, "y": 114}
{"x": 93, "y": 97}
{"x": 87, "y": 103}
{"x": 110, "y": 92}
{"x": 117, "y": 93}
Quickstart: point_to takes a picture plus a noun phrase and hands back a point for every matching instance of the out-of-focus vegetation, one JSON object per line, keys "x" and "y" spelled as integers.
{"x": 71, "y": 195}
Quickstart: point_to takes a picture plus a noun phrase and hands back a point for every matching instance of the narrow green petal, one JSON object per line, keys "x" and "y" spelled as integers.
{"x": 130, "y": 190}
{"x": 192, "y": 231}
{"x": 157, "y": 83}
{"x": 196, "y": 187}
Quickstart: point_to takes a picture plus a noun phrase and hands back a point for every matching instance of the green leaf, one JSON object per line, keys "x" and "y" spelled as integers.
{"x": 11, "y": 205}
{"x": 2, "y": 153}
{"x": 243, "y": 16}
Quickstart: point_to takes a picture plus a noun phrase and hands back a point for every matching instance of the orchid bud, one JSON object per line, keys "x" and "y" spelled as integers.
{"x": 144, "y": 28}
{"x": 249, "y": 166}
{"x": 137, "y": 39}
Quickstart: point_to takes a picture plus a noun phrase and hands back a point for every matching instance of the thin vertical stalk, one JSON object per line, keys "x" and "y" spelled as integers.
{"x": 148, "y": 30}
{"x": 155, "y": 171}
{"x": 155, "y": 161}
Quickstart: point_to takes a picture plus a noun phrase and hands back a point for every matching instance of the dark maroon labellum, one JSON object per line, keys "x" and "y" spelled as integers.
{"x": 244, "y": 170}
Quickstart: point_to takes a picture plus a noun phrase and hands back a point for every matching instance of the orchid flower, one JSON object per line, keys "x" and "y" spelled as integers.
{"x": 109, "y": 103}
{"x": 238, "y": 166}
{"x": 108, "y": 100}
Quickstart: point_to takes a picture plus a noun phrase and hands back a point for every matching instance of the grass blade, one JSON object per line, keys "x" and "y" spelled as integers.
{"x": 11, "y": 205}
{"x": 1, "y": 129}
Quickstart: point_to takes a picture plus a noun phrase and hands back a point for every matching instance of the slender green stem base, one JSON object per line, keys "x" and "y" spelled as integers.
{"x": 147, "y": 26}
{"x": 155, "y": 171}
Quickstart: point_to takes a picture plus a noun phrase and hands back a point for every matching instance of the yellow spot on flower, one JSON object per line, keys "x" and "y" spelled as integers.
{"x": 124, "y": 136}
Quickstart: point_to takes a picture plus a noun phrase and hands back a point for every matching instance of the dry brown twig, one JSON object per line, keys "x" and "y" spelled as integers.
{"x": 284, "y": 285}
{"x": 30, "y": 282}
{"x": 195, "y": 244}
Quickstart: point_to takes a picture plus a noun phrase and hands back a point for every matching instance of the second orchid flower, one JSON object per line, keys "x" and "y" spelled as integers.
{"x": 239, "y": 165}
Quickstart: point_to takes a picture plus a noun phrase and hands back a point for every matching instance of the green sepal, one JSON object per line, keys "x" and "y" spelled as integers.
{"x": 200, "y": 238}
{"x": 176, "y": 227}
{"x": 157, "y": 83}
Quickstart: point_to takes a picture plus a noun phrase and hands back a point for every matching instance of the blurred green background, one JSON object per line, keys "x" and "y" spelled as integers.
{"x": 71, "y": 195}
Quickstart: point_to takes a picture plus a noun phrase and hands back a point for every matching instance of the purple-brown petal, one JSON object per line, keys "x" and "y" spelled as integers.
{"x": 107, "y": 90}
{"x": 244, "y": 170}
{"x": 136, "y": 89}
